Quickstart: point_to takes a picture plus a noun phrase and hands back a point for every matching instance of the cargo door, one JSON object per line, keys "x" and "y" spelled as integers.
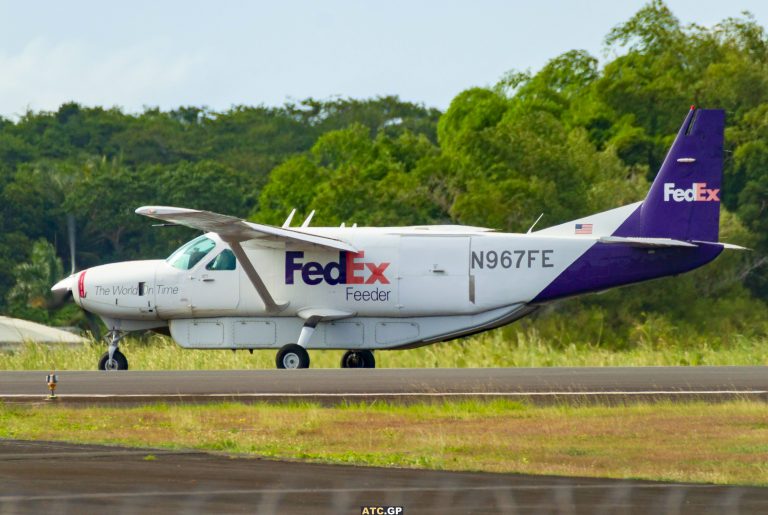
{"x": 434, "y": 275}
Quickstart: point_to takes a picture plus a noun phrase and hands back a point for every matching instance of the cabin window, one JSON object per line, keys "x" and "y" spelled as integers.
{"x": 224, "y": 261}
{"x": 190, "y": 254}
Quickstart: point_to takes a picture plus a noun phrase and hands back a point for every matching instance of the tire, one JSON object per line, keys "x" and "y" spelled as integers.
{"x": 370, "y": 360}
{"x": 292, "y": 356}
{"x": 358, "y": 359}
{"x": 119, "y": 362}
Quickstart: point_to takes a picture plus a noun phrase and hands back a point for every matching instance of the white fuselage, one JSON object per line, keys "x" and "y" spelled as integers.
{"x": 405, "y": 286}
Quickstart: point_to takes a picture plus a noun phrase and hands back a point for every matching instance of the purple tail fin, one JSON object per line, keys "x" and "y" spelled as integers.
{"x": 684, "y": 200}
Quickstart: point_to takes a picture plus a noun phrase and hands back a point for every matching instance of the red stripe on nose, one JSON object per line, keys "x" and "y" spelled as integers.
{"x": 81, "y": 285}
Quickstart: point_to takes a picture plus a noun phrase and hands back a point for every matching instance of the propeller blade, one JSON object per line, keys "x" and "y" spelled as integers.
{"x": 61, "y": 292}
{"x": 72, "y": 242}
{"x": 93, "y": 324}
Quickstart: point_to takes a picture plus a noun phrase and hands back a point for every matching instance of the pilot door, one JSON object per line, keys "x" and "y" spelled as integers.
{"x": 214, "y": 286}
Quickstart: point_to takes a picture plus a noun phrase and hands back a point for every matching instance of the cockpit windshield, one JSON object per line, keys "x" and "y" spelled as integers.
{"x": 191, "y": 253}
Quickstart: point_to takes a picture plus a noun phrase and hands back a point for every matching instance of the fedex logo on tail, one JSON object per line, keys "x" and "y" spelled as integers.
{"x": 349, "y": 269}
{"x": 698, "y": 192}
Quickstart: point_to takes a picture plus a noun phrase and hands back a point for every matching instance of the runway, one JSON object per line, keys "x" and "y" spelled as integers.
{"x": 47, "y": 477}
{"x": 539, "y": 385}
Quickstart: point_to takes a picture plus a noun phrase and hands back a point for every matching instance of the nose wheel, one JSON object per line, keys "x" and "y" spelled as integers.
{"x": 358, "y": 359}
{"x": 117, "y": 362}
{"x": 113, "y": 359}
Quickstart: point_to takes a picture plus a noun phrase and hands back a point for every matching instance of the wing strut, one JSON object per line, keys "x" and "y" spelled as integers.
{"x": 253, "y": 275}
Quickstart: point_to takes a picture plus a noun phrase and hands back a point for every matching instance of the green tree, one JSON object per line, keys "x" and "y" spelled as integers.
{"x": 350, "y": 176}
{"x": 31, "y": 294}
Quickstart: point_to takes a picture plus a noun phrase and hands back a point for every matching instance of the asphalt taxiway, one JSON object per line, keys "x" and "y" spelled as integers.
{"x": 609, "y": 384}
{"x": 48, "y": 477}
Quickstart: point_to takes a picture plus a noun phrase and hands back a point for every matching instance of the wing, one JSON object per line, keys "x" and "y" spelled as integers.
{"x": 232, "y": 229}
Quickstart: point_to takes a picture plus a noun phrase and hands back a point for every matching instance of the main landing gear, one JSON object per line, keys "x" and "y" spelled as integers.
{"x": 358, "y": 359}
{"x": 113, "y": 359}
{"x": 296, "y": 356}
{"x": 292, "y": 356}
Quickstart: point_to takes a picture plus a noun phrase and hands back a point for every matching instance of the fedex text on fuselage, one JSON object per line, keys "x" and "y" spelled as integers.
{"x": 349, "y": 269}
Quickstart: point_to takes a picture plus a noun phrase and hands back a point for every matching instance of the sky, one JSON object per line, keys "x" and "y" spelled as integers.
{"x": 218, "y": 54}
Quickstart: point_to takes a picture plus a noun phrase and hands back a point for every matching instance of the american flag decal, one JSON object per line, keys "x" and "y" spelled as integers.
{"x": 583, "y": 229}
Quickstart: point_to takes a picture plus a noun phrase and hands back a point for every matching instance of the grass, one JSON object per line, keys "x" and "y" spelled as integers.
{"x": 571, "y": 334}
{"x": 723, "y": 443}
{"x": 496, "y": 349}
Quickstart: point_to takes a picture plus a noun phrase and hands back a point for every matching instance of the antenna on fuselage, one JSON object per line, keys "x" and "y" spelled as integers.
{"x": 288, "y": 220}
{"x": 309, "y": 219}
{"x": 534, "y": 223}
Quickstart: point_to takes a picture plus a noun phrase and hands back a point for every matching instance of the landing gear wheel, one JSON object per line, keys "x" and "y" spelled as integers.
{"x": 292, "y": 356}
{"x": 118, "y": 362}
{"x": 358, "y": 359}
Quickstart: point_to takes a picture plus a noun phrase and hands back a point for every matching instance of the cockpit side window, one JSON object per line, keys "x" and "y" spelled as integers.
{"x": 190, "y": 254}
{"x": 224, "y": 261}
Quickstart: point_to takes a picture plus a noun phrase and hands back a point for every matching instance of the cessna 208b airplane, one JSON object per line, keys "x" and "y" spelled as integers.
{"x": 245, "y": 285}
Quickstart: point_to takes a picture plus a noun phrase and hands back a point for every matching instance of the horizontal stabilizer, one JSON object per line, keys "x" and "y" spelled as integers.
{"x": 232, "y": 229}
{"x": 729, "y": 246}
{"x": 645, "y": 242}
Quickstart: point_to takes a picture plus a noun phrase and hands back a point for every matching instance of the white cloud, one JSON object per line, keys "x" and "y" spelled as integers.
{"x": 43, "y": 75}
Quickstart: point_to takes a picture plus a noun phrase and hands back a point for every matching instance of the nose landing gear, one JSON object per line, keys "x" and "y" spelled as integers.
{"x": 113, "y": 359}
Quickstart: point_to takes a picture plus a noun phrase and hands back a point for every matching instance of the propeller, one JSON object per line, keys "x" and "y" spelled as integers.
{"x": 62, "y": 291}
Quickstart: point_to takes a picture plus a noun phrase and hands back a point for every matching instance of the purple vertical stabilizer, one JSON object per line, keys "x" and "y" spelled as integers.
{"x": 682, "y": 204}
{"x": 684, "y": 200}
